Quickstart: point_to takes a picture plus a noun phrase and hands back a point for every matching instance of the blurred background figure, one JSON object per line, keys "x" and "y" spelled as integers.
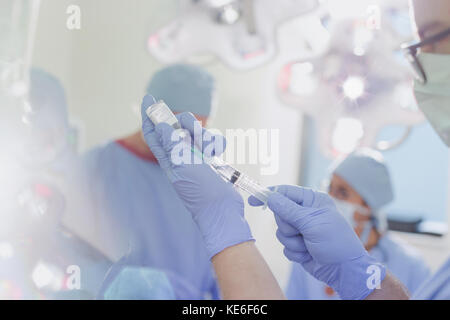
{"x": 37, "y": 249}
{"x": 361, "y": 186}
{"x": 141, "y": 216}
{"x": 49, "y": 139}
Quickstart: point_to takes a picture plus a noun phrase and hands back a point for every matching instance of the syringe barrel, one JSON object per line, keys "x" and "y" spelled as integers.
{"x": 159, "y": 112}
{"x": 240, "y": 179}
{"x": 252, "y": 187}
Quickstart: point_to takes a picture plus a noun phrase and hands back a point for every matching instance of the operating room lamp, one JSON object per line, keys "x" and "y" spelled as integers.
{"x": 352, "y": 90}
{"x": 241, "y": 33}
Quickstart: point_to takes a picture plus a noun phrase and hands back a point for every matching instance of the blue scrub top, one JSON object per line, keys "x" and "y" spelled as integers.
{"x": 143, "y": 283}
{"x": 142, "y": 218}
{"x": 401, "y": 260}
{"x": 437, "y": 287}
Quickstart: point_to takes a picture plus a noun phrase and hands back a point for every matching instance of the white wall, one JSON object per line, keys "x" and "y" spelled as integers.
{"x": 435, "y": 250}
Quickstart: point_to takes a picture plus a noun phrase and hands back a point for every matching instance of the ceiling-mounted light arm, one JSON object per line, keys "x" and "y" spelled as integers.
{"x": 385, "y": 145}
{"x": 248, "y": 7}
{"x": 34, "y": 16}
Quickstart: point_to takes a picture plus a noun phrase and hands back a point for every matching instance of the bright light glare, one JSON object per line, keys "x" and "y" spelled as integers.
{"x": 218, "y": 3}
{"x": 6, "y": 250}
{"x": 229, "y": 14}
{"x": 346, "y": 135}
{"x": 45, "y": 275}
{"x": 359, "y": 51}
{"x": 353, "y": 87}
{"x": 404, "y": 96}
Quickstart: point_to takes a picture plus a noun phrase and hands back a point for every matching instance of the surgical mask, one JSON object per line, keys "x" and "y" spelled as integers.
{"x": 433, "y": 97}
{"x": 347, "y": 210}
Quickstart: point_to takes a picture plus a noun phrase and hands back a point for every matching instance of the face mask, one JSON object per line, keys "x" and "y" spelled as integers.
{"x": 433, "y": 97}
{"x": 348, "y": 210}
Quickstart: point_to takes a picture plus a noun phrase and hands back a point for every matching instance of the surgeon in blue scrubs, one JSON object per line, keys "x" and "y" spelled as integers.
{"x": 40, "y": 197}
{"x": 360, "y": 187}
{"x": 138, "y": 214}
{"x": 432, "y": 92}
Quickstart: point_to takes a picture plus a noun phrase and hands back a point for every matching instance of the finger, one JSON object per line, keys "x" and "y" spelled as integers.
{"x": 167, "y": 136}
{"x": 300, "y": 195}
{"x": 285, "y": 208}
{"x": 294, "y": 243}
{"x": 286, "y": 228}
{"x": 147, "y": 125}
{"x": 292, "y": 213}
{"x": 306, "y": 197}
{"x": 150, "y": 136}
{"x": 154, "y": 143}
{"x": 294, "y": 193}
{"x": 214, "y": 144}
{"x": 254, "y": 202}
{"x": 296, "y": 256}
{"x": 147, "y": 101}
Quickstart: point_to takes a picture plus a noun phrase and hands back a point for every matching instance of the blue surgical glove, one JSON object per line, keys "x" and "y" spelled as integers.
{"x": 216, "y": 207}
{"x": 315, "y": 235}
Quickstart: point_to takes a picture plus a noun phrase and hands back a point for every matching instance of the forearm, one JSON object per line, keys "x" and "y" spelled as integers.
{"x": 243, "y": 274}
{"x": 391, "y": 289}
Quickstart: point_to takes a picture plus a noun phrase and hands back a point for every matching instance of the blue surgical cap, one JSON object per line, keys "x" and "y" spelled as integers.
{"x": 366, "y": 172}
{"x": 134, "y": 283}
{"x": 184, "y": 87}
{"x": 47, "y": 99}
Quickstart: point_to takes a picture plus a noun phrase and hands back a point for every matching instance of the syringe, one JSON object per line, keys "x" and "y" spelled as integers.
{"x": 159, "y": 112}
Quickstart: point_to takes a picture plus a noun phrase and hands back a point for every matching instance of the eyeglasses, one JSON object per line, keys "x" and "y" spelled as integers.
{"x": 410, "y": 52}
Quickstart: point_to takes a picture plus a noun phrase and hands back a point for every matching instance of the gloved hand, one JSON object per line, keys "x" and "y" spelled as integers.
{"x": 216, "y": 207}
{"x": 318, "y": 237}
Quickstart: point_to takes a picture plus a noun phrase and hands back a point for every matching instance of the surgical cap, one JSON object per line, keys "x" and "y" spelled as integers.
{"x": 47, "y": 99}
{"x": 135, "y": 283}
{"x": 366, "y": 172}
{"x": 184, "y": 87}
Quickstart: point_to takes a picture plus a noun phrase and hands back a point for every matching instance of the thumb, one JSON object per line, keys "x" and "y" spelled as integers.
{"x": 286, "y": 209}
{"x": 167, "y": 136}
{"x": 147, "y": 101}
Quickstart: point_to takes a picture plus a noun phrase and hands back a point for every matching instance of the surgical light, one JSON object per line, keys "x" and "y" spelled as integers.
{"x": 359, "y": 51}
{"x": 241, "y": 33}
{"x": 229, "y": 15}
{"x": 353, "y": 87}
{"x": 347, "y": 80}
